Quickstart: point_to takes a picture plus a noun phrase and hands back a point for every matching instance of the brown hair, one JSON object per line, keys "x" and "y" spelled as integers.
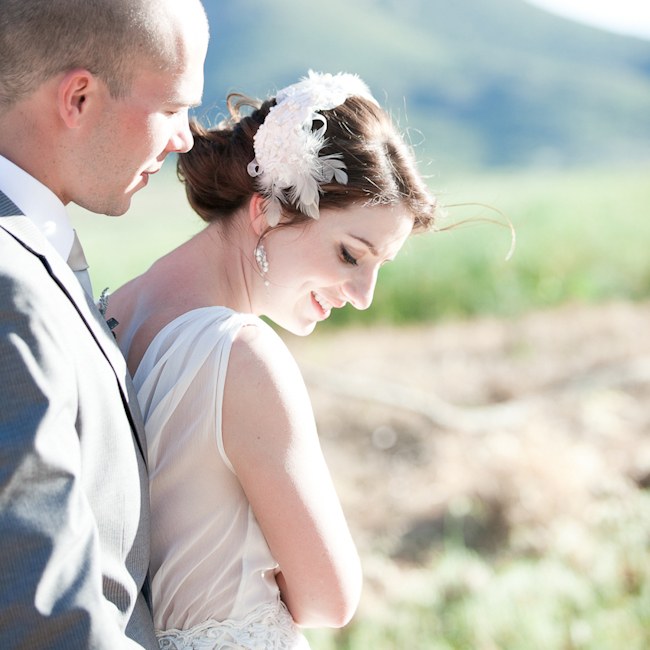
{"x": 110, "y": 38}
{"x": 380, "y": 165}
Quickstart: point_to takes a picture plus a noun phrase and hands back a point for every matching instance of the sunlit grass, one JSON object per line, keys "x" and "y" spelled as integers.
{"x": 558, "y": 601}
{"x": 581, "y": 236}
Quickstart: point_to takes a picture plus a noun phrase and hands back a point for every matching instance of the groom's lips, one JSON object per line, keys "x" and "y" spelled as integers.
{"x": 148, "y": 172}
{"x": 145, "y": 175}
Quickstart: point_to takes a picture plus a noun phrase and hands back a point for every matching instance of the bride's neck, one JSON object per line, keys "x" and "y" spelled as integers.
{"x": 211, "y": 269}
{"x": 215, "y": 268}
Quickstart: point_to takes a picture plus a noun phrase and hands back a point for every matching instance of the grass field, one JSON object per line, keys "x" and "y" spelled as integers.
{"x": 465, "y": 601}
{"x": 580, "y": 236}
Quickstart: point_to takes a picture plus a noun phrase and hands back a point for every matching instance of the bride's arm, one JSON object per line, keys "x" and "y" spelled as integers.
{"x": 270, "y": 437}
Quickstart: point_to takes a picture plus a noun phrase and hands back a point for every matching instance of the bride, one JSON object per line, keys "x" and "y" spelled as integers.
{"x": 305, "y": 197}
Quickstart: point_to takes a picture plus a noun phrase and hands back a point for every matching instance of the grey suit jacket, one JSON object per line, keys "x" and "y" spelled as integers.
{"x": 74, "y": 504}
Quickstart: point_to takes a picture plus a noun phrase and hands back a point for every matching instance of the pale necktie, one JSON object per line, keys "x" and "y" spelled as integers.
{"x": 77, "y": 262}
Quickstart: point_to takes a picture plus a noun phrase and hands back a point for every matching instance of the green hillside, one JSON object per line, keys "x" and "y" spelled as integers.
{"x": 479, "y": 82}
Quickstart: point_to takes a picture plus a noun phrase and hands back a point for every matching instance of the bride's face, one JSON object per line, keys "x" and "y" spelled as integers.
{"x": 329, "y": 262}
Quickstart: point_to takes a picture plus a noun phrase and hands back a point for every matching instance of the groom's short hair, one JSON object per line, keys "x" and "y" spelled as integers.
{"x": 113, "y": 39}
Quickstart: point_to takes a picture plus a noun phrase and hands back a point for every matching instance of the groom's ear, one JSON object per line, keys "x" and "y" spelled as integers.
{"x": 257, "y": 214}
{"x": 76, "y": 92}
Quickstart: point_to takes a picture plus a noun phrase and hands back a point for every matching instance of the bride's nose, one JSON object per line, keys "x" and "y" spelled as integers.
{"x": 360, "y": 289}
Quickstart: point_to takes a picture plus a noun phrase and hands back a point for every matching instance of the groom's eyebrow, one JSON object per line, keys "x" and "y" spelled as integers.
{"x": 180, "y": 103}
{"x": 179, "y": 97}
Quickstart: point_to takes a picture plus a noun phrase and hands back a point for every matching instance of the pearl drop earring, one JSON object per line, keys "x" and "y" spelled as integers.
{"x": 262, "y": 261}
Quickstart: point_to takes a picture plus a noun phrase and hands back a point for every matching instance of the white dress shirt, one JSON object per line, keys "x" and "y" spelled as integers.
{"x": 38, "y": 203}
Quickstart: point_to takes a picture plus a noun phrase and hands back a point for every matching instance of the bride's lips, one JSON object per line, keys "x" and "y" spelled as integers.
{"x": 325, "y": 305}
{"x": 322, "y": 306}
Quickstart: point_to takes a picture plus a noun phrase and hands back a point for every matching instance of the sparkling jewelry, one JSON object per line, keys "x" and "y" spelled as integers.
{"x": 262, "y": 261}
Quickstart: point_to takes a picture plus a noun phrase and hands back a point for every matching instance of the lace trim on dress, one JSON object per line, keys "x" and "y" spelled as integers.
{"x": 268, "y": 627}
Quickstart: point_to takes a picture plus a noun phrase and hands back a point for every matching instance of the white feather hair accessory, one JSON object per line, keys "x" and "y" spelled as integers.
{"x": 287, "y": 148}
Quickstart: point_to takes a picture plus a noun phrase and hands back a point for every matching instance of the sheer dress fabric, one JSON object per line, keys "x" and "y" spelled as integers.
{"x": 213, "y": 575}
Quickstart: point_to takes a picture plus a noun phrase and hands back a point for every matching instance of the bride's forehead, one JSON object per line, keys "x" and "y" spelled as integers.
{"x": 382, "y": 220}
{"x": 382, "y": 229}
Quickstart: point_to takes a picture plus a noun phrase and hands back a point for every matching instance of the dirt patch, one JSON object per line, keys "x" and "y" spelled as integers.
{"x": 506, "y": 432}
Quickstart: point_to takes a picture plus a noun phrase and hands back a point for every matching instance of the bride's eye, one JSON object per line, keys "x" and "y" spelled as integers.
{"x": 347, "y": 257}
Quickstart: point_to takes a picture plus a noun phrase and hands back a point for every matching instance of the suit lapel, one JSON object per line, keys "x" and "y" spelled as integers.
{"x": 27, "y": 234}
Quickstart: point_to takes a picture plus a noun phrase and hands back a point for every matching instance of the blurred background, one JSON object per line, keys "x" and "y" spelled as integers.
{"x": 487, "y": 421}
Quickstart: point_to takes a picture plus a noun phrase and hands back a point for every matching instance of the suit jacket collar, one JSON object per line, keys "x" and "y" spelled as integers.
{"x": 23, "y": 230}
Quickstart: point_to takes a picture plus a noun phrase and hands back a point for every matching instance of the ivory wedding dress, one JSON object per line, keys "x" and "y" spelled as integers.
{"x": 213, "y": 575}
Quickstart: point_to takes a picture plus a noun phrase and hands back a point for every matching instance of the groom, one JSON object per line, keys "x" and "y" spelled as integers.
{"x": 93, "y": 96}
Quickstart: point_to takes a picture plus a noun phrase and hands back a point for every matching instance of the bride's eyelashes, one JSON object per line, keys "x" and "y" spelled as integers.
{"x": 347, "y": 257}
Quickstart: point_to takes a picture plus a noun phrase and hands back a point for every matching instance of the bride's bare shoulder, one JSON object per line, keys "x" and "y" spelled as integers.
{"x": 259, "y": 351}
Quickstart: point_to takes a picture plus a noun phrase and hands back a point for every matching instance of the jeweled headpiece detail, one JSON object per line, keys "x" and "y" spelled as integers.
{"x": 287, "y": 163}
